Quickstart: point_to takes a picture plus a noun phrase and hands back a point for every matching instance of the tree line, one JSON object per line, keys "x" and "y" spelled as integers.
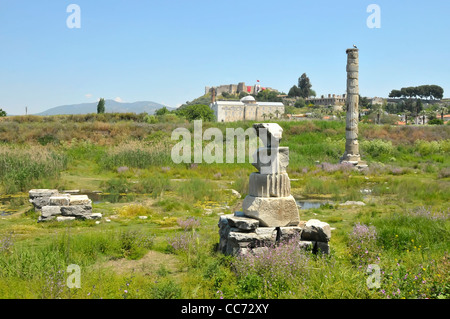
{"x": 434, "y": 92}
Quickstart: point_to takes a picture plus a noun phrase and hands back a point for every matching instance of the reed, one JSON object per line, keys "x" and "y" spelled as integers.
{"x": 23, "y": 168}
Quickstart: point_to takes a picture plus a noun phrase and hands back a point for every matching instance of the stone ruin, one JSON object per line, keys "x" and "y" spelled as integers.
{"x": 351, "y": 154}
{"x": 270, "y": 213}
{"x": 61, "y": 207}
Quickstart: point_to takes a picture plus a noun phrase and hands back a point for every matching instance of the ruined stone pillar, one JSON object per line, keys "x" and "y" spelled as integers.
{"x": 269, "y": 199}
{"x": 351, "y": 154}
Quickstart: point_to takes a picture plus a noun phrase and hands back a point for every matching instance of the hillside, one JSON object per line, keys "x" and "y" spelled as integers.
{"x": 110, "y": 105}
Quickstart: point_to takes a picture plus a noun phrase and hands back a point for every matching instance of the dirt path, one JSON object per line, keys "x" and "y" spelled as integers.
{"x": 148, "y": 264}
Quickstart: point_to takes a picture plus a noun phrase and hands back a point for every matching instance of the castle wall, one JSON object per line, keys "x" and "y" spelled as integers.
{"x": 235, "y": 88}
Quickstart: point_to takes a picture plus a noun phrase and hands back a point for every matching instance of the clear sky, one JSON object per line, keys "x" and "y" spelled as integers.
{"x": 168, "y": 51}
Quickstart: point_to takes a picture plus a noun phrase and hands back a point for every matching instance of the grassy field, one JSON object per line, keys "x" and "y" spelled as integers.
{"x": 403, "y": 228}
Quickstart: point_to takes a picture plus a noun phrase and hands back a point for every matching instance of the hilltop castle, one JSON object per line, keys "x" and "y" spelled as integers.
{"x": 236, "y": 88}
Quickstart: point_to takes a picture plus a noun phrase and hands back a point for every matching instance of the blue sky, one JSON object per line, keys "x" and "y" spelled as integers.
{"x": 168, "y": 51}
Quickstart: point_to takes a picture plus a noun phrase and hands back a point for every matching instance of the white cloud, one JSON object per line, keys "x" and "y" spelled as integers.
{"x": 89, "y": 95}
{"x": 118, "y": 99}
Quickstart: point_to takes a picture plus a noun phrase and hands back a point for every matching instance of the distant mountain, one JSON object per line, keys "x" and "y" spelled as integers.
{"x": 111, "y": 106}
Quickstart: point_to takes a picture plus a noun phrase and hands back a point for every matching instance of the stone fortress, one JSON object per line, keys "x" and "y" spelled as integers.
{"x": 236, "y": 89}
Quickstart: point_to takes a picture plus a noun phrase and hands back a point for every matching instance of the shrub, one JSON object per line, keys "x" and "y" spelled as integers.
{"x": 150, "y": 119}
{"x": 377, "y": 147}
{"x": 117, "y": 187}
{"x": 427, "y": 148}
{"x": 46, "y": 139}
{"x": 188, "y": 224}
{"x": 166, "y": 289}
{"x": 362, "y": 243}
{"x": 135, "y": 243}
{"x": 185, "y": 242}
{"x": 273, "y": 271}
{"x": 435, "y": 121}
{"x": 196, "y": 112}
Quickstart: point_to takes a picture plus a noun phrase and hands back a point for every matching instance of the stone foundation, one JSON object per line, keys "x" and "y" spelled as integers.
{"x": 240, "y": 235}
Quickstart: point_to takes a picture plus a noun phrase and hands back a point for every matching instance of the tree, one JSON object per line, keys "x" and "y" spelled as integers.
{"x": 442, "y": 109}
{"x": 288, "y": 109}
{"x": 162, "y": 111}
{"x": 268, "y": 96}
{"x": 242, "y": 94}
{"x": 364, "y": 102}
{"x": 378, "y": 109}
{"x": 423, "y": 113}
{"x": 2, "y": 113}
{"x": 395, "y": 94}
{"x": 304, "y": 86}
{"x": 436, "y": 92}
{"x": 294, "y": 91}
{"x": 197, "y": 112}
{"x": 409, "y": 105}
{"x": 101, "y": 106}
{"x": 407, "y": 113}
{"x": 423, "y": 91}
{"x": 418, "y": 107}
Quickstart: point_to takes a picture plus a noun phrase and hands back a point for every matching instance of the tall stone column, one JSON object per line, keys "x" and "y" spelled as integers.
{"x": 351, "y": 154}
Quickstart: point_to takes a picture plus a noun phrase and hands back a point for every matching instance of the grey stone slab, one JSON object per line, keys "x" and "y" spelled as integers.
{"x": 243, "y": 223}
{"x": 272, "y": 211}
{"x": 80, "y": 200}
{"x": 315, "y": 230}
{"x": 81, "y": 211}
{"x": 48, "y": 211}
{"x": 59, "y": 200}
